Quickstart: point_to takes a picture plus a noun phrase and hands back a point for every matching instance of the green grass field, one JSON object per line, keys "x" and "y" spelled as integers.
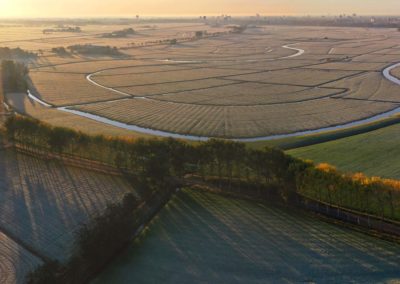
{"x": 375, "y": 153}
{"x": 313, "y": 139}
{"x": 206, "y": 238}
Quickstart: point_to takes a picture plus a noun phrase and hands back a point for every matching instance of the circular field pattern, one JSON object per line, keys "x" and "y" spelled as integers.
{"x": 265, "y": 83}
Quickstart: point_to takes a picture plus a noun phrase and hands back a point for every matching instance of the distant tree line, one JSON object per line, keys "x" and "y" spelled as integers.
{"x": 60, "y": 51}
{"x": 119, "y": 34}
{"x": 89, "y": 49}
{"x": 63, "y": 30}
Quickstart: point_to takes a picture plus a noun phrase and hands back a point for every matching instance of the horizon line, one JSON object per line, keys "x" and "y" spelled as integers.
{"x": 182, "y": 16}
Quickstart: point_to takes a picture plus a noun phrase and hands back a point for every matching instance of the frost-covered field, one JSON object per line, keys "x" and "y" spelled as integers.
{"x": 205, "y": 238}
{"x": 15, "y": 261}
{"x": 42, "y": 205}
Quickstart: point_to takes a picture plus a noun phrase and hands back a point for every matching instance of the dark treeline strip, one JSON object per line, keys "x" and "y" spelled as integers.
{"x": 161, "y": 159}
{"x": 229, "y": 165}
{"x": 120, "y": 33}
{"x": 89, "y": 49}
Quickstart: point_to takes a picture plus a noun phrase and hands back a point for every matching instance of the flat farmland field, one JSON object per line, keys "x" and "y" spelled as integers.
{"x": 396, "y": 72}
{"x": 15, "y": 261}
{"x": 194, "y": 236}
{"x": 235, "y": 121}
{"x": 86, "y": 66}
{"x": 288, "y": 80}
{"x": 156, "y": 67}
{"x": 174, "y": 87}
{"x": 308, "y": 78}
{"x": 351, "y": 66}
{"x": 44, "y": 204}
{"x": 369, "y": 86}
{"x": 165, "y": 77}
{"x": 387, "y": 58}
{"x": 66, "y": 89}
{"x": 250, "y": 94}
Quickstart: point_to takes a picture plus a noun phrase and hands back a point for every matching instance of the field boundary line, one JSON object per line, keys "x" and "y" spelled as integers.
{"x": 349, "y": 216}
{"x": 70, "y": 160}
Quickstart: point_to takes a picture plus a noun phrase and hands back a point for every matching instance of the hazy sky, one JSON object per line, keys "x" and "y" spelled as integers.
{"x": 76, "y": 8}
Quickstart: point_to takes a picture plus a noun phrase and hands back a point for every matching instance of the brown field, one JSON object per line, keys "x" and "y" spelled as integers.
{"x": 396, "y": 72}
{"x": 253, "y": 84}
{"x": 351, "y": 66}
{"x": 85, "y": 66}
{"x": 247, "y": 94}
{"x": 174, "y": 87}
{"x": 66, "y": 89}
{"x": 370, "y": 86}
{"x": 165, "y": 77}
{"x": 236, "y": 121}
{"x": 300, "y": 77}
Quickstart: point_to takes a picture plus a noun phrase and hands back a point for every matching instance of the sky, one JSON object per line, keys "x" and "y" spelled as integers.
{"x": 122, "y": 8}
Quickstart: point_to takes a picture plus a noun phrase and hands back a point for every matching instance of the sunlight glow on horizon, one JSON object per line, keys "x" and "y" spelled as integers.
{"x": 123, "y": 8}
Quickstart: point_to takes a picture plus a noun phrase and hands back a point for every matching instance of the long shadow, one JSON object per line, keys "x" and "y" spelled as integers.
{"x": 17, "y": 258}
{"x": 204, "y": 238}
{"x": 45, "y": 203}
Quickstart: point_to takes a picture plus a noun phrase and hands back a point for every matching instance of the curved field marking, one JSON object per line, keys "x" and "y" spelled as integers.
{"x": 267, "y": 50}
{"x": 390, "y": 77}
{"x": 178, "y": 61}
{"x": 89, "y": 78}
{"x": 161, "y": 133}
{"x": 289, "y": 46}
